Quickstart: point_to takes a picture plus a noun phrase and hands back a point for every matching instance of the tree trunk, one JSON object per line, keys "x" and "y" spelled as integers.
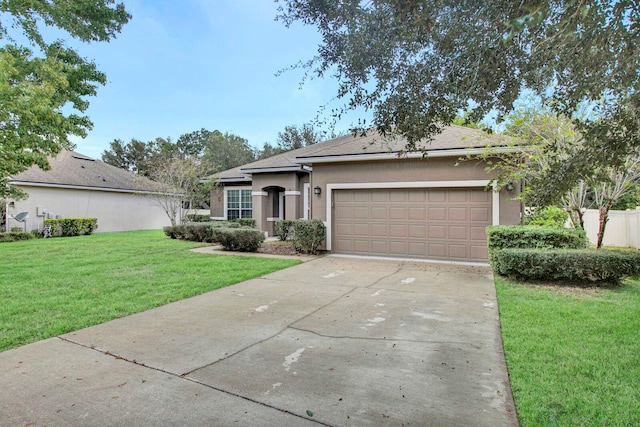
{"x": 602, "y": 223}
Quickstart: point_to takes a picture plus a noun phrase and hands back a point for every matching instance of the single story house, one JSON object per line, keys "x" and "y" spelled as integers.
{"x": 376, "y": 199}
{"x": 78, "y": 186}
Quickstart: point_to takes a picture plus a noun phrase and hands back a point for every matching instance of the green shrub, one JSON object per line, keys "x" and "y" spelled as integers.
{"x": 551, "y": 265}
{"x": 199, "y": 232}
{"x": 15, "y": 236}
{"x": 239, "y": 239}
{"x": 549, "y": 216}
{"x": 197, "y": 218}
{"x": 529, "y": 236}
{"x": 246, "y": 222}
{"x": 67, "y": 227}
{"x": 283, "y": 229}
{"x": 171, "y": 231}
{"x": 308, "y": 234}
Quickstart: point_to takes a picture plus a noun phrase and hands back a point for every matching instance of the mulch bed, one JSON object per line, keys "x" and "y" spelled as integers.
{"x": 277, "y": 248}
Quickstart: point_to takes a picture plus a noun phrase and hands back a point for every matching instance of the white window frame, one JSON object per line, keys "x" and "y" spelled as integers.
{"x": 306, "y": 202}
{"x": 226, "y": 200}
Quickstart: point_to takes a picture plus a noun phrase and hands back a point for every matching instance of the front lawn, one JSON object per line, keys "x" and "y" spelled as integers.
{"x": 573, "y": 354}
{"x": 50, "y": 287}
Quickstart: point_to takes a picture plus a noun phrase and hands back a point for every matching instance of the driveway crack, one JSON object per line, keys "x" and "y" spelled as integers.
{"x": 194, "y": 381}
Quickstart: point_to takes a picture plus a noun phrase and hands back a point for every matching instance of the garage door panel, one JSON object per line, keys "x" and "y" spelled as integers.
{"x": 437, "y": 214}
{"x": 397, "y": 230}
{"x": 437, "y": 250}
{"x": 417, "y": 231}
{"x": 378, "y": 213}
{"x": 361, "y": 229}
{"x": 458, "y": 214}
{"x": 417, "y": 249}
{"x": 437, "y": 231}
{"x": 398, "y": 247}
{"x": 417, "y": 196}
{"x": 379, "y": 247}
{"x": 457, "y": 196}
{"x": 458, "y": 251}
{"x": 458, "y": 232}
{"x": 417, "y": 213}
{"x": 480, "y": 214}
{"x": 360, "y": 212}
{"x": 434, "y": 223}
{"x": 378, "y": 196}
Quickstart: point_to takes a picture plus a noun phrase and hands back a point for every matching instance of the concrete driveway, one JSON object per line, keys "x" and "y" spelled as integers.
{"x": 335, "y": 341}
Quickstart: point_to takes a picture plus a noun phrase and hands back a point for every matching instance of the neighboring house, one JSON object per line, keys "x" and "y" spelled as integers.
{"x": 78, "y": 186}
{"x": 374, "y": 199}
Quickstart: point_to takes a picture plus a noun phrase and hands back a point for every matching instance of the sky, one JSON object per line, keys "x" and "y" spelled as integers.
{"x": 180, "y": 66}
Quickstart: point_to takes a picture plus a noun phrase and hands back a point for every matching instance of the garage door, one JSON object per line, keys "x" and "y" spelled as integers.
{"x": 446, "y": 224}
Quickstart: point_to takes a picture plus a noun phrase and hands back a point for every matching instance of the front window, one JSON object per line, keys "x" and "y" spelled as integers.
{"x": 239, "y": 204}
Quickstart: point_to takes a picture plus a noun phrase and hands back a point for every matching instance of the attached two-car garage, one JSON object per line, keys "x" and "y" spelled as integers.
{"x": 434, "y": 223}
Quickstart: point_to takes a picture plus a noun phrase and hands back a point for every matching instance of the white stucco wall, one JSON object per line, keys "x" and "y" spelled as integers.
{"x": 116, "y": 211}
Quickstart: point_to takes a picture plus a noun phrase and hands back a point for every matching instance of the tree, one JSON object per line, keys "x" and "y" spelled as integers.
{"x": 38, "y": 89}
{"x": 616, "y": 183}
{"x": 291, "y": 138}
{"x": 417, "y": 63}
{"x": 224, "y": 151}
{"x": 173, "y": 181}
{"x": 136, "y": 156}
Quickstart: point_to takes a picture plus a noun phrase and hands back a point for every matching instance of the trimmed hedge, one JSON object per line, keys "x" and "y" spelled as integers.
{"x": 15, "y": 236}
{"x": 585, "y": 265}
{"x": 531, "y": 236}
{"x": 308, "y": 234}
{"x": 284, "y": 229}
{"x": 230, "y": 235}
{"x": 239, "y": 239}
{"x": 67, "y": 227}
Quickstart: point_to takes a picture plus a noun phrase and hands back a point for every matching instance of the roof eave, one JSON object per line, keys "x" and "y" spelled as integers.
{"x": 452, "y": 152}
{"x": 277, "y": 169}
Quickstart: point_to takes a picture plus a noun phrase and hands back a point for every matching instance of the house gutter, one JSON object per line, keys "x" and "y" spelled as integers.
{"x": 83, "y": 187}
{"x": 456, "y": 152}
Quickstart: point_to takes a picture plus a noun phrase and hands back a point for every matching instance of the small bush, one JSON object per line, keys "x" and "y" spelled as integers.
{"x": 239, "y": 239}
{"x": 284, "y": 229}
{"x": 549, "y": 216}
{"x": 197, "y": 218}
{"x": 15, "y": 236}
{"x": 67, "y": 227}
{"x": 171, "y": 231}
{"x": 551, "y": 265}
{"x": 246, "y": 222}
{"x": 308, "y": 234}
{"x": 199, "y": 232}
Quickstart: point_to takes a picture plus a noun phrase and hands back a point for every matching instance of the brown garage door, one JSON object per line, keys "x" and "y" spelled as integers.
{"x": 430, "y": 223}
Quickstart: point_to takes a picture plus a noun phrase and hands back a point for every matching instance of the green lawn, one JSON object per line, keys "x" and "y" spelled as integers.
{"x": 573, "y": 355}
{"x": 53, "y": 286}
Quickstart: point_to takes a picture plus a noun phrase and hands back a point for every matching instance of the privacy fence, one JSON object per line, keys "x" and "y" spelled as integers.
{"x": 623, "y": 228}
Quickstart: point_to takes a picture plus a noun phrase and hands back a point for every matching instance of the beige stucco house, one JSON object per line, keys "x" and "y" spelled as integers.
{"x": 375, "y": 199}
{"x": 78, "y": 186}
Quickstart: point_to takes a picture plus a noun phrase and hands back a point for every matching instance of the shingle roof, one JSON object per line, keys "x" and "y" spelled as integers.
{"x": 73, "y": 169}
{"x": 452, "y": 137}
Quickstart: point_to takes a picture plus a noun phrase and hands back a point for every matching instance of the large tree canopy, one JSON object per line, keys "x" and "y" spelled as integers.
{"x": 38, "y": 84}
{"x": 417, "y": 63}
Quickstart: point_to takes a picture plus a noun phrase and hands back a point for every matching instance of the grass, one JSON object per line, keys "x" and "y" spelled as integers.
{"x": 50, "y": 287}
{"x": 573, "y": 354}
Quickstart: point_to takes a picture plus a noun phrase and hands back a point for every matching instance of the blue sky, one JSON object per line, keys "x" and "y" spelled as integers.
{"x": 179, "y": 66}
